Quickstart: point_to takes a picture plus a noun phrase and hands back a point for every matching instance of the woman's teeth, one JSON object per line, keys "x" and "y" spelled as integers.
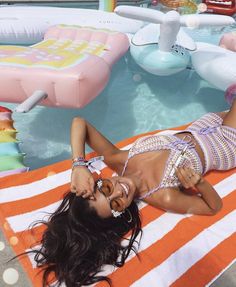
{"x": 125, "y": 187}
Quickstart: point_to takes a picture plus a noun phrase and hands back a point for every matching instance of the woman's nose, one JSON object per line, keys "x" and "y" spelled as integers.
{"x": 116, "y": 193}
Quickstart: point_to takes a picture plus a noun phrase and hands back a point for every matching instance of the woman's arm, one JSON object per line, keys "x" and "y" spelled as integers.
{"x": 82, "y": 132}
{"x": 207, "y": 202}
{"x": 82, "y": 181}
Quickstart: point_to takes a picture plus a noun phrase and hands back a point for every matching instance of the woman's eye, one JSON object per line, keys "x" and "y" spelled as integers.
{"x": 117, "y": 205}
{"x": 106, "y": 190}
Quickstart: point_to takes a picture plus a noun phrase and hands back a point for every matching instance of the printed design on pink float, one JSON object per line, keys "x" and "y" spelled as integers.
{"x": 51, "y": 54}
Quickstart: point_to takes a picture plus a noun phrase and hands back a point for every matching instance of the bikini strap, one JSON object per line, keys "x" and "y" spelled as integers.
{"x": 159, "y": 142}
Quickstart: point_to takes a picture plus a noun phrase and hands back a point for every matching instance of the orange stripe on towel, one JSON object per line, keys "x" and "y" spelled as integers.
{"x": 163, "y": 248}
{"x": 35, "y": 175}
{"x": 31, "y": 237}
{"x": 34, "y": 203}
{"x": 204, "y": 270}
{"x": 215, "y": 177}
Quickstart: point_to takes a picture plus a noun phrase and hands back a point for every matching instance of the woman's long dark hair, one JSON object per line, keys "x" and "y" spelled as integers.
{"x": 77, "y": 242}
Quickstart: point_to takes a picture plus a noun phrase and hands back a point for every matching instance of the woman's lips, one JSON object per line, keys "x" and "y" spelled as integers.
{"x": 125, "y": 187}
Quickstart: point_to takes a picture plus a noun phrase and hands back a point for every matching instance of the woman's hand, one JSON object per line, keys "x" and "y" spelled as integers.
{"x": 82, "y": 182}
{"x": 188, "y": 177}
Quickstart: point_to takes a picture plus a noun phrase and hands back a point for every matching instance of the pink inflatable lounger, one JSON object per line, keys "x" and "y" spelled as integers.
{"x": 228, "y": 41}
{"x": 72, "y": 65}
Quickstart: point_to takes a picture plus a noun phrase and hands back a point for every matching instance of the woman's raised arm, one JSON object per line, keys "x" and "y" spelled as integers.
{"x": 83, "y": 132}
{"x": 82, "y": 181}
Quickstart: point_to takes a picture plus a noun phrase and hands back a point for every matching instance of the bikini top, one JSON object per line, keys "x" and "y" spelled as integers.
{"x": 176, "y": 146}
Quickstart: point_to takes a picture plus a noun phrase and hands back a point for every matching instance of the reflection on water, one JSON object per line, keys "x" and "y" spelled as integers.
{"x": 132, "y": 103}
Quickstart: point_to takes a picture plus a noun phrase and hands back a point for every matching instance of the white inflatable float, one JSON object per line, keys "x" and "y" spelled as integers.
{"x": 215, "y": 64}
{"x": 163, "y": 48}
{"x": 28, "y": 24}
{"x": 156, "y": 61}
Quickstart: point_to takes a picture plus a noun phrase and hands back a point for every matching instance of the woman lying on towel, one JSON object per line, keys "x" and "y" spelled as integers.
{"x": 87, "y": 229}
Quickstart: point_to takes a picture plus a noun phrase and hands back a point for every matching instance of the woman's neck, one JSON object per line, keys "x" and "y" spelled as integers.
{"x": 139, "y": 181}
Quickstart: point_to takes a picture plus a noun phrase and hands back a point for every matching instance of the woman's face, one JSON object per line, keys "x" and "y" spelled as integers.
{"x": 115, "y": 193}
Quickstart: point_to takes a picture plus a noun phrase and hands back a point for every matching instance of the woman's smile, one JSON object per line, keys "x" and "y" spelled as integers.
{"x": 115, "y": 193}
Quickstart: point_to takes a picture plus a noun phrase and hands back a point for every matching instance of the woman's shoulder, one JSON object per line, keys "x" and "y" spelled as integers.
{"x": 116, "y": 161}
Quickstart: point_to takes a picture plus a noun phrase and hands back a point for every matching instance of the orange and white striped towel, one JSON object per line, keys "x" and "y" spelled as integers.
{"x": 176, "y": 250}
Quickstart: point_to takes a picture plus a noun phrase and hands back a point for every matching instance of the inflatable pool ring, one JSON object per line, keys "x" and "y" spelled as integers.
{"x": 215, "y": 64}
{"x": 228, "y": 41}
{"x": 27, "y": 25}
{"x": 11, "y": 158}
{"x": 157, "y": 50}
{"x": 230, "y": 94}
{"x": 184, "y": 6}
{"x": 159, "y": 63}
{"x": 223, "y": 7}
{"x": 145, "y": 50}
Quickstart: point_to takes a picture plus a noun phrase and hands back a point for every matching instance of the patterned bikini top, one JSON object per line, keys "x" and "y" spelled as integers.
{"x": 176, "y": 146}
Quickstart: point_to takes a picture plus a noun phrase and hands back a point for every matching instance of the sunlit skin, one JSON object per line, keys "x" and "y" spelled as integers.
{"x": 143, "y": 173}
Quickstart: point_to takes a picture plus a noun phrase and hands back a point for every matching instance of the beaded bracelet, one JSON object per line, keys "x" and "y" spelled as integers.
{"x": 79, "y": 158}
{"x": 81, "y": 161}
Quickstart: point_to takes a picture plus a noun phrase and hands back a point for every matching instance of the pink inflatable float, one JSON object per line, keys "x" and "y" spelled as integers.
{"x": 230, "y": 94}
{"x": 228, "y": 41}
{"x": 72, "y": 65}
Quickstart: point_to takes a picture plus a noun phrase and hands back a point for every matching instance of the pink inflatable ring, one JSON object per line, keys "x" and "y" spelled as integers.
{"x": 230, "y": 94}
{"x": 228, "y": 41}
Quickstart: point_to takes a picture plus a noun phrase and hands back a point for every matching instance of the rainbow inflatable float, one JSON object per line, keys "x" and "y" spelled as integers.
{"x": 11, "y": 159}
{"x": 107, "y": 5}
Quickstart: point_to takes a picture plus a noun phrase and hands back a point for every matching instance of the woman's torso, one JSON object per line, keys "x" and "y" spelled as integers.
{"x": 208, "y": 145}
{"x": 155, "y": 155}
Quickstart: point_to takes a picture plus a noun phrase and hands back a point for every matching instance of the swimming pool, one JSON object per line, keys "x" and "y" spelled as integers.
{"x": 132, "y": 103}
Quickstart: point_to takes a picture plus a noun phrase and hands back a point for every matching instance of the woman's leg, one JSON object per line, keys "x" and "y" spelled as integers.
{"x": 230, "y": 117}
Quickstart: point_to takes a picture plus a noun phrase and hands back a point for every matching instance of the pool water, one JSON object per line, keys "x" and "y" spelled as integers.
{"x": 133, "y": 102}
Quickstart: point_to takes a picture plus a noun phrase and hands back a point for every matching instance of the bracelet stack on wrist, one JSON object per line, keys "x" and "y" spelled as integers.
{"x": 90, "y": 164}
{"x": 79, "y": 161}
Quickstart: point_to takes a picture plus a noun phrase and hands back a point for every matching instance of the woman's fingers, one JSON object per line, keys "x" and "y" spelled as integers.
{"x": 85, "y": 193}
{"x": 181, "y": 174}
{"x": 73, "y": 189}
{"x": 91, "y": 185}
{"x": 188, "y": 177}
{"x": 82, "y": 186}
